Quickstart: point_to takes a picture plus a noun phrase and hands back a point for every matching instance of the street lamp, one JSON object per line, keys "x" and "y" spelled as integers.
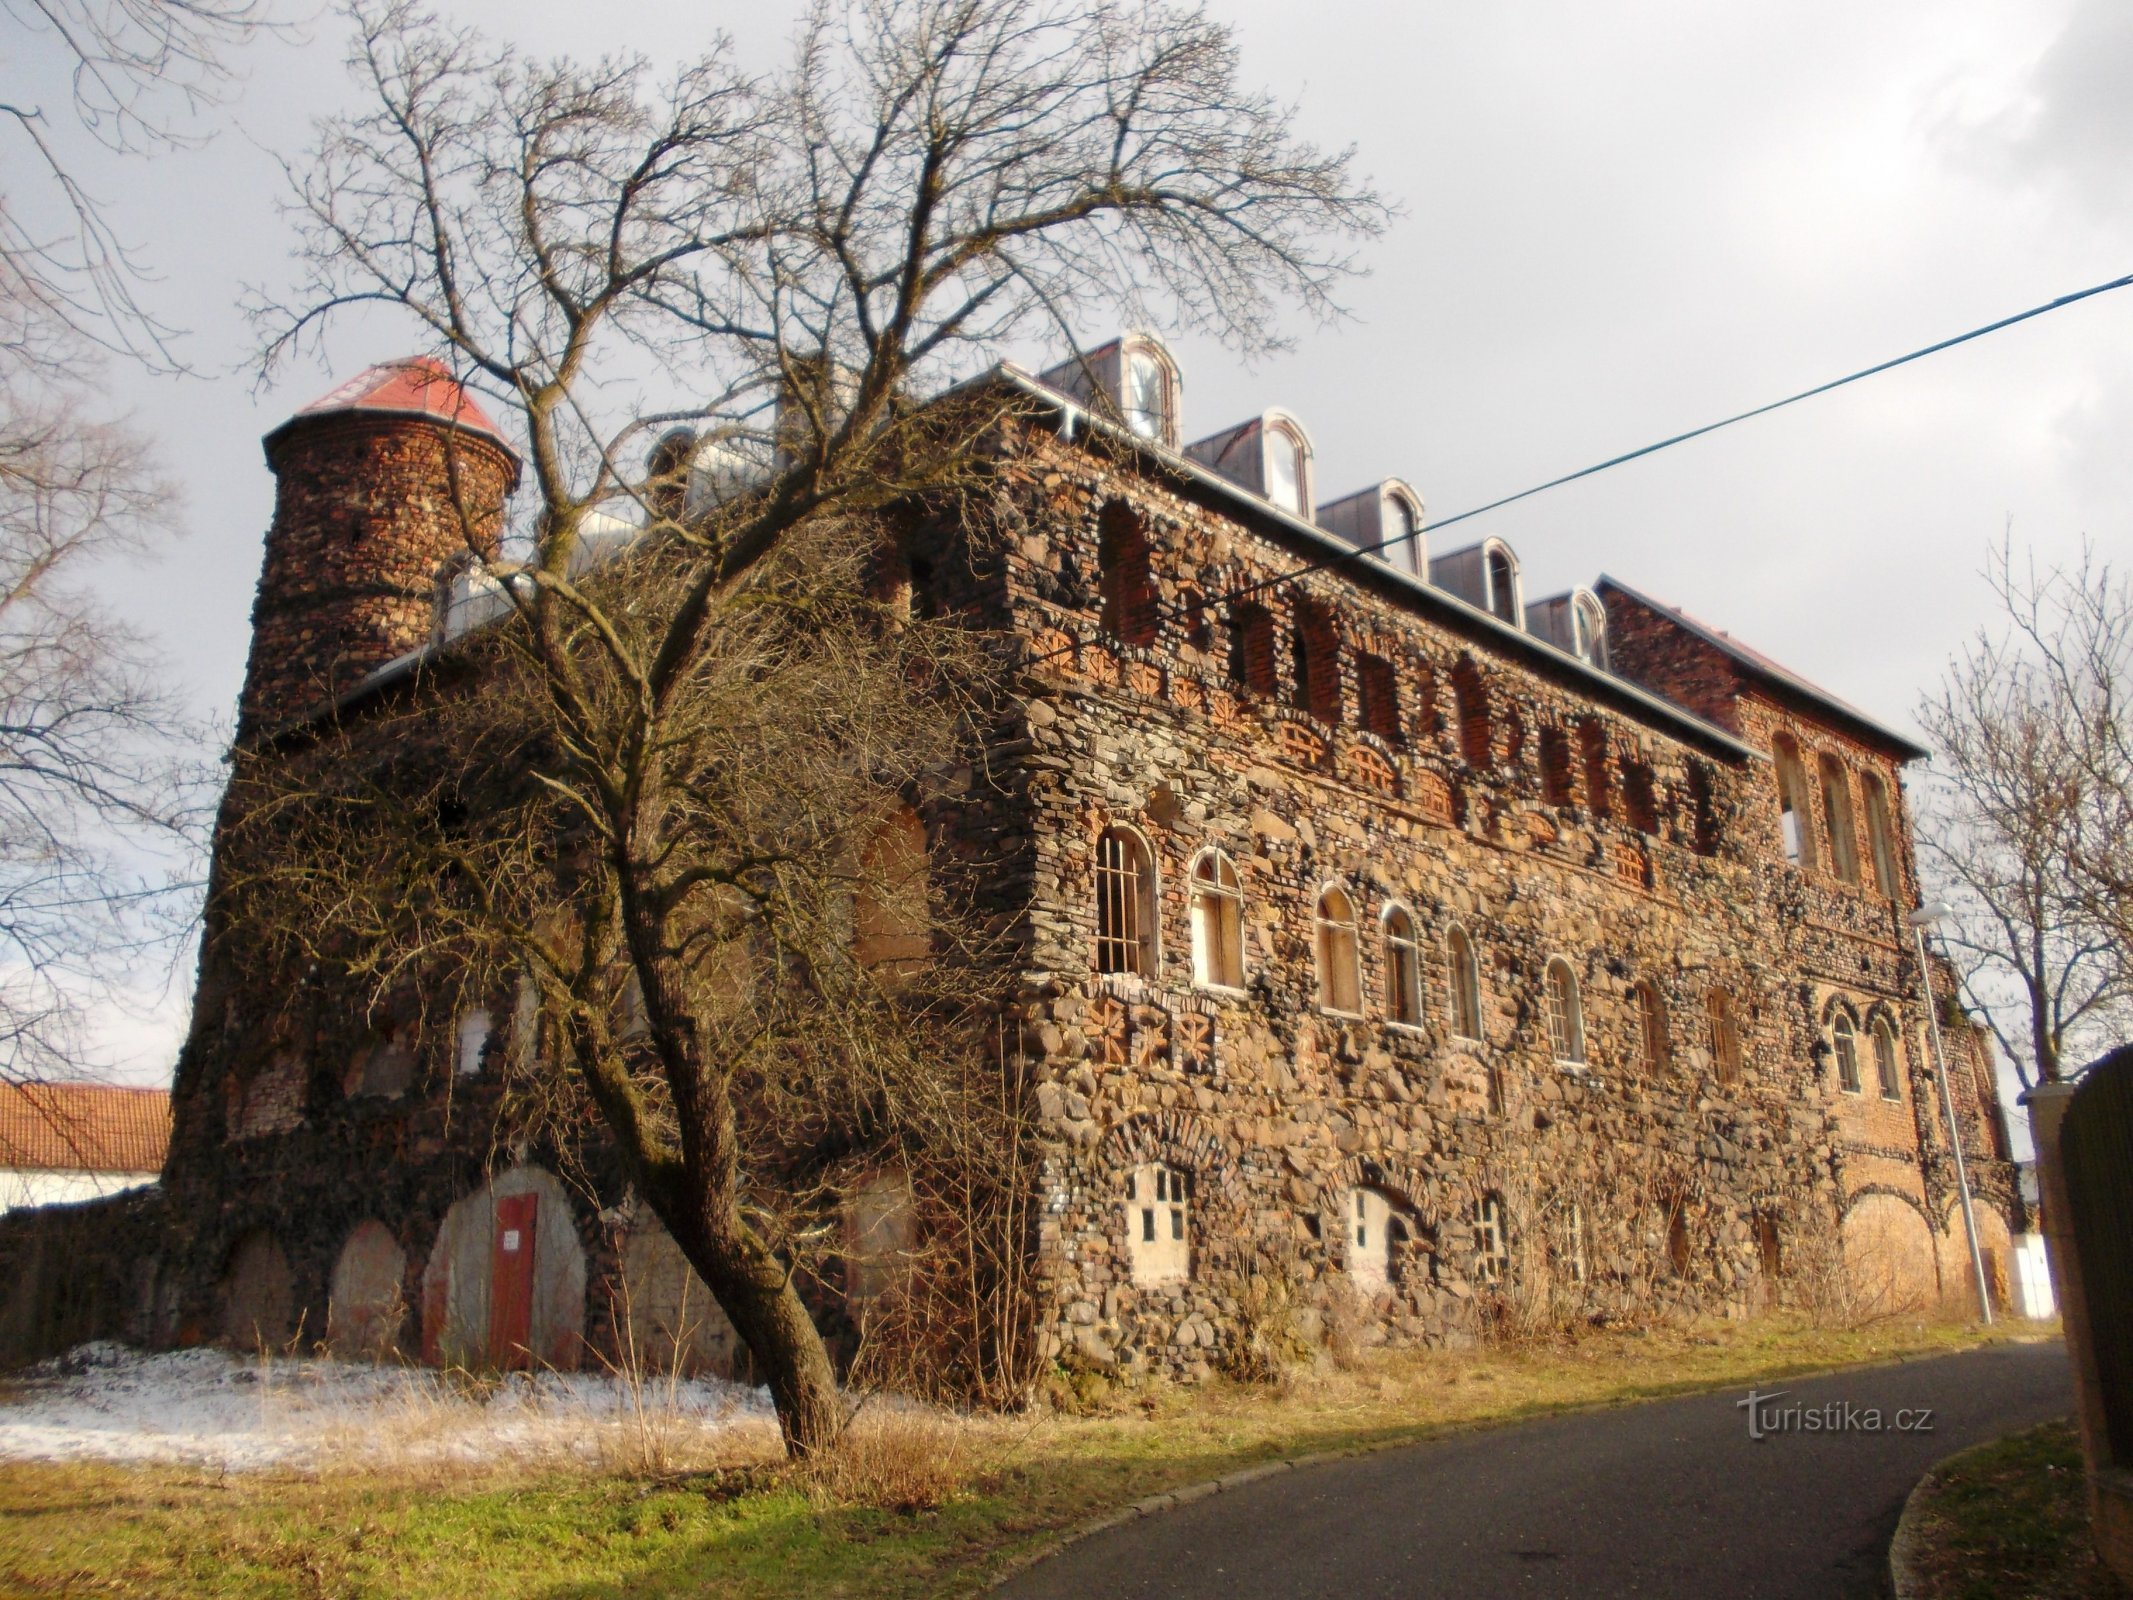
{"x": 1920, "y": 920}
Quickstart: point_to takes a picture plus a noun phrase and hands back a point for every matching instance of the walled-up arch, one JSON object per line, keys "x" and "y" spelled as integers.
{"x": 366, "y": 1299}
{"x": 505, "y": 1284}
{"x": 257, "y": 1294}
{"x": 1995, "y": 1246}
{"x": 1891, "y": 1263}
{"x": 666, "y": 1316}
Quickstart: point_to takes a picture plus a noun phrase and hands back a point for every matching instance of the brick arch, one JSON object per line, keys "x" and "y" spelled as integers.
{"x": 1881, "y": 1011}
{"x": 1396, "y": 1180}
{"x": 1838, "y": 1002}
{"x": 1181, "y": 1139}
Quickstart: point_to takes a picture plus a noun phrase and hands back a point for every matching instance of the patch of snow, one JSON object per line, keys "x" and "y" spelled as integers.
{"x": 212, "y": 1408}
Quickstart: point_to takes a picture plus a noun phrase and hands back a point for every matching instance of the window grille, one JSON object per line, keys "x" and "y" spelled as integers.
{"x": 1725, "y": 1036}
{"x": 1566, "y": 1020}
{"x": 1125, "y": 905}
{"x": 1652, "y": 1048}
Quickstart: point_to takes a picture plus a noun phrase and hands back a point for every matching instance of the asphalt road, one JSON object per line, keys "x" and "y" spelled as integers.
{"x": 1665, "y": 1499}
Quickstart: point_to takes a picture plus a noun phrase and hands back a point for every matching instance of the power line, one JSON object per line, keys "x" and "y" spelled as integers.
{"x": 1346, "y": 556}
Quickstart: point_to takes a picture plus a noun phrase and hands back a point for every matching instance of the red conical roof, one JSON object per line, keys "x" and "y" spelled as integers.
{"x": 418, "y": 386}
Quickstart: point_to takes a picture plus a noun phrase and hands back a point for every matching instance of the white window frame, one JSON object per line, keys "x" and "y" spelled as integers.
{"x": 1215, "y": 911}
{"x": 1844, "y": 1046}
{"x": 1140, "y": 348}
{"x": 1366, "y": 1217}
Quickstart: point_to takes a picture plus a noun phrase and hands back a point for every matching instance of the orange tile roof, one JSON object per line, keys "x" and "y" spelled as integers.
{"x": 83, "y": 1127}
{"x": 417, "y": 386}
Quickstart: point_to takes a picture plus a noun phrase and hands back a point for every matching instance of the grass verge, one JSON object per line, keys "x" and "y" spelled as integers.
{"x": 745, "y": 1528}
{"x": 2011, "y": 1518}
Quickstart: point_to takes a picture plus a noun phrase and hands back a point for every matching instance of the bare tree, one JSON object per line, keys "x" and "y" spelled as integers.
{"x": 2026, "y": 812}
{"x": 136, "y": 73}
{"x": 778, "y": 264}
{"x": 100, "y": 799}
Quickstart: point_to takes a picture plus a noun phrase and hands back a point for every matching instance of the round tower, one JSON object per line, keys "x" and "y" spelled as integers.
{"x": 378, "y": 485}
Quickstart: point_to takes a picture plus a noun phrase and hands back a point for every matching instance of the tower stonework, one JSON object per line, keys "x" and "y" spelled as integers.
{"x": 378, "y": 485}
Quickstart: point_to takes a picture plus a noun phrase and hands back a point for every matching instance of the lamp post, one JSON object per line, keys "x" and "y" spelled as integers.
{"x": 1920, "y": 920}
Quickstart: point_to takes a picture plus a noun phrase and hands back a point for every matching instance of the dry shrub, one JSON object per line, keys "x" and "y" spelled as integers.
{"x": 1270, "y": 1344}
{"x": 894, "y": 1458}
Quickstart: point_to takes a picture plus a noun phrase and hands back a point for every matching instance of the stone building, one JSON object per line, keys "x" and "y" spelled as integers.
{"x": 1394, "y": 948}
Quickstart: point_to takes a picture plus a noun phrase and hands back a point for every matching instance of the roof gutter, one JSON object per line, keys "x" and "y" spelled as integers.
{"x": 1406, "y": 586}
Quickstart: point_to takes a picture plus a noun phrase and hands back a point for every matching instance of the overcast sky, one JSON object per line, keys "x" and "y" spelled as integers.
{"x": 1621, "y": 222}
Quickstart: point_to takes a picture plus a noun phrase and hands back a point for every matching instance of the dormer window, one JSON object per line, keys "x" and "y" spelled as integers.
{"x": 1402, "y": 542}
{"x": 1147, "y": 405}
{"x": 1500, "y": 583}
{"x": 1270, "y": 455}
{"x": 1588, "y": 630}
{"x": 1384, "y": 520}
{"x": 1130, "y": 380}
{"x": 1285, "y": 469}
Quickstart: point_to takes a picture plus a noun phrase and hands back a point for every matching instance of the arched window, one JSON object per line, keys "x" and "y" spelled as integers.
{"x": 1599, "y": 782}
{"x": 1470, "y": 698}
{"x": 1880, "y": 836}
{"x": 1372, "y": 1225}
{"x": 1885, "y": 1060}
{"x": 1400, "y": 542}
{"x": 1158, "y": 1241}
{"x": 1149, "y": 394}
{"x": 1125, "y": 577}
{"x": 1844, "y": 1039}
{"x": 1725, "y": 1036}
{"x": 470, "y": 1041}
{"x": 1500, "y": 576}
{"x": 1492, "y": 1242}
{"x": 1640, "y": 801}
{"x": 1795, "y": 832}
{"x": 1125, "y": 904}
{"x": 1251, "y": 649}
{"x": 1555, "y": 765}
{"x": 1403, "y": 967}
{"x": 1217, "y": 922}
{"x": 1463, "y": 977}
{"x": 1837, "y": 806}
{"x": 1566, "y": 1016}
{"x": 1340, "y": 985}
{"x": 1653, "y": 1049}
{"x": 1287, "y": 469}
{"x": 1316, "y": 645}
{"x": 1703, "y": 814}
{"x": 1588, "y": 630}
{"x": 1378, "y": 694}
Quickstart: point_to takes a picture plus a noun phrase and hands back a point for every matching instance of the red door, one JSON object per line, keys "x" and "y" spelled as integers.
{"x": 511, "y": 1281}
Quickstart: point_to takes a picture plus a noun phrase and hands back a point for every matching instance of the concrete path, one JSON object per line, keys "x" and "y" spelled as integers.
{"x": 1667, "y": 1499}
